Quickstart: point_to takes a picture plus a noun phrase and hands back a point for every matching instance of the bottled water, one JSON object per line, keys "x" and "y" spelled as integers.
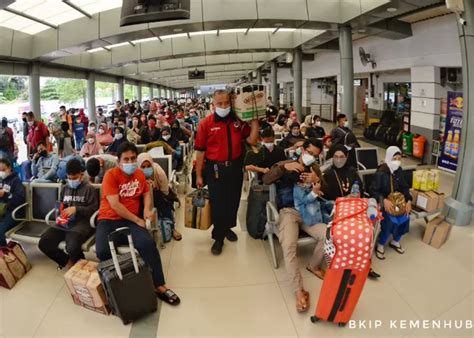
{"x": 372, "y": 209}
{"x": 355, "y": 189}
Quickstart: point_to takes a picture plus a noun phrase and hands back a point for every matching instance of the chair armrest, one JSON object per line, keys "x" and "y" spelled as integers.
{"x": 92, "y": 219}
{"x": 17, "y": 209}
{"x": 173, "y": 176}
{"x": 272, "y": 213}
{"x": 48, "y": 216}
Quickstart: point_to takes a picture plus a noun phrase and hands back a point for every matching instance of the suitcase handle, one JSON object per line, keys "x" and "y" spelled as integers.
{"x": 111, "y": 237}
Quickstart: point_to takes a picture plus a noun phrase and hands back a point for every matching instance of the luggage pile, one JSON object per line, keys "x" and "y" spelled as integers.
{"x": 425, "y": 190}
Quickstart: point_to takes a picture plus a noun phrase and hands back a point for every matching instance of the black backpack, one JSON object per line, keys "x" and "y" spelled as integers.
{"x": 4, "y": 139}
{"x": 256, "y": 218}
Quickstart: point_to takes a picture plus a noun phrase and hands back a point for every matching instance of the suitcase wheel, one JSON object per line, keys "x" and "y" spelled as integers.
{"x": 341, "y": 324}
{"x": 314, "y": 319}
{"x": 125, "y": 322}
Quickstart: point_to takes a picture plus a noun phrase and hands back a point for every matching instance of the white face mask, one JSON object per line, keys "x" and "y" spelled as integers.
{"x": 118, "y": 136}
{"x": 346, "y": 124}
{"x": 308, "y": 159}
{"x": 318, "y": 123}
{"x": 269, "y": 145}
{"x": 166, "y": 137}
{"x": 222, "y": 112}
{"x": 91, "y": 141}
{"x": 3, "y": 175}
{"x": 394, "y": 165}
{"x": 91, "y": 128}
{"x": 101, "y": 131}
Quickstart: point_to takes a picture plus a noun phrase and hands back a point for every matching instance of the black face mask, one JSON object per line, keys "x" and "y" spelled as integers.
{"x": 44, "y": 153}
{"x": 4, "y": 124}
{"x": 281, "y": 122}
{"x": 24, "y": 119}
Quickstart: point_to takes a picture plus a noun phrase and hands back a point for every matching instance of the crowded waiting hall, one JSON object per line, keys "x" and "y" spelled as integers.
{"x": 251, "y": 168}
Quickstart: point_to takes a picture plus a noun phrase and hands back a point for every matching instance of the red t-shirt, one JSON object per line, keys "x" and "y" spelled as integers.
{"x": 129, "y": 188}
{"x": 37, "y": 132}
{"x": 213, "y": 138}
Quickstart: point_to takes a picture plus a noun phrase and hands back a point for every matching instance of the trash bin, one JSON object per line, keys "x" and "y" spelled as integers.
{"x": 419, "y": 146}
{"x": 407, "y": 143}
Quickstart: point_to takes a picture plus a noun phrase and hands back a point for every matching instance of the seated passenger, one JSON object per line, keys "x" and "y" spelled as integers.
{"x": 123, "y": 190}
{"x": 315, "y": 130}
{"x": 180, "y": 133}
{"x": 280, "y": 125}
{"x": 98, "y": 165}
{"x": 173, "y": 143}
{"x": 118, "y": 140}
{"x": 150, "y": 133}
{"x": 44, "y": 165}
{"x": 134, "y": 133}
{"x": 292, "y": 138}
{"x": 12, "y": 195}
{"x": 340, "y": 176}
{"x": 91, "y": 147}
{"x": 104, "y": 137}
{"x": 286, "y": 175}
{"x": 80, "y": 202}
{"x": 271, "y": 154}
{"x": 162, "y": 198}
{"x": 388, "y": 179}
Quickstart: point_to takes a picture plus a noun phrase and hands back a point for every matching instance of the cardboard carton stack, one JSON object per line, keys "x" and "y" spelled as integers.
{"x": 424, "y": 192}
{"x": 437, "y": 232}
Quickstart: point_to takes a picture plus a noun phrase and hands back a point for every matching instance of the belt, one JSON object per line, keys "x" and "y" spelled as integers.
{"x": 224, "y": 163}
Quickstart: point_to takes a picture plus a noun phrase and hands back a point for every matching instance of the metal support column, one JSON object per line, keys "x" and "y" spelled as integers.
{"x": 121, "y": 90}
{"x": 298, "y": 83}
{"x": 34, "y": 90}
{"x": 274, "y": 78}
{"x": 347, "y": 72}
{"x": 91, "y": 97}
{"x": 459, "y": 207}
{"x": 259, "y": 76}
{"x": 139, "y": 92}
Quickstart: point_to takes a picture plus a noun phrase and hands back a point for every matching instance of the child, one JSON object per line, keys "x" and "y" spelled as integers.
{"x": 308, "y": 201}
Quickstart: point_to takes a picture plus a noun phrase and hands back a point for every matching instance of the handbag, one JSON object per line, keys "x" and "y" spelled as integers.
{"x": 398, "y": 200}
{"x": 14, "y": 264}
{"x": 199, "y": 199}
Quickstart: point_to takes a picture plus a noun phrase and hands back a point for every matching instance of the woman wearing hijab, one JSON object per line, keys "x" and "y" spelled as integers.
{"x": 168, "y": 138}
{"x": 340, "y": 176}
{"x": 389, "y": 179}
{"x": 119, "y": 138}
{"x": 280, "y": 125}
{"x": 162, "y": 198}
{"x": 178, "y": 133}
{"x": 104, "y": 137}
{"x": 91, "y": 147}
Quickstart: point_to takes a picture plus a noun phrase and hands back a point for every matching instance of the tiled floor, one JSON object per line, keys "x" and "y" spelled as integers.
{"x": 239, "y": 294}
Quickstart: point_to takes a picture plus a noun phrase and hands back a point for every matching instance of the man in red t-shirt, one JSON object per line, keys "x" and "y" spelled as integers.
{"x": 123, "y": 189}
{"x": 37, "y": 132}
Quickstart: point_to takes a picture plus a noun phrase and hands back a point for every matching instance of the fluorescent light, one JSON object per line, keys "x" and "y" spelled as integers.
{"x": 287, "y": 29}
{"x": 262, "y": 29}
{"x": 203, "y": 33}
{"x": 235, "y": 30}
{"x": 392, "y": 9}
{"x": 145, "y": 40}
{"x": 95, "y": 50}
{"x": 119, "y": 45}
{"x": 180, "y": 35}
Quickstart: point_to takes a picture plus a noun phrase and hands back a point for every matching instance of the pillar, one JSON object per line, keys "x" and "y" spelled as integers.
{"x": 139, "y": 92}
{"x": 91, "y": 97}
{"x": 298, "y": 83}
{"x": 259, "y": 76}
{"x": 273, "y": 82}
{"x": 347, "y": 72}
{"x": 458, "y": 207}
{"x": 150, "y": 89}
{"x": 121, "y": 90}
{"x": 34, "y": 90}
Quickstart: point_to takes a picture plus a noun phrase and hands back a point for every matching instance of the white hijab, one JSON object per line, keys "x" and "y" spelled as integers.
{"x": 391, "y": 151}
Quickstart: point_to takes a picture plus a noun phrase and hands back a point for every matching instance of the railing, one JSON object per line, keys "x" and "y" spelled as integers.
{"x": 322, "y": 109}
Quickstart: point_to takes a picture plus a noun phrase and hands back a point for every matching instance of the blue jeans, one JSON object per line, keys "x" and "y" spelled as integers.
{"x": 6, "y": 224}
{"x": 26, "y": 170}
{"x": 142, "y": 240}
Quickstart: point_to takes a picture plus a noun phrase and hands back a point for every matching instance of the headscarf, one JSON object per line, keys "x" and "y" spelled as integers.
{"x": 104, "y": 139}
{"x": 158, "y": 179}
{"x": 91, "y": 149}
{"x": 391, "y": 152}
{"x": 112, "y": 149}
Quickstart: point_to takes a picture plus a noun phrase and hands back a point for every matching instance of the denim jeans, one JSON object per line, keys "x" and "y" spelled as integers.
{"x": 6, "y": 224}
{"x": 142, "y": 241}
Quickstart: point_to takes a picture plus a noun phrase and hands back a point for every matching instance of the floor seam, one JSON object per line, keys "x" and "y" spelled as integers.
{"x": 48, "y": 309}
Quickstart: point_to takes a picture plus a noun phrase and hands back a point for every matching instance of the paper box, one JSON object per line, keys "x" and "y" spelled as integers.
{"x": 249, "y": 101}
{"x": 85, "y": 287}
{"x": 437, "y": 232}
{"x": 414, "y": 195}
{"x": 427, "y": 201}
{"x": 197, "y": 218}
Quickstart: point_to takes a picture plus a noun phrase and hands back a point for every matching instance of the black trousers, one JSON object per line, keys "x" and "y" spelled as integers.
{"x": 224, "y": 195}
{"x": 50, "y": 240}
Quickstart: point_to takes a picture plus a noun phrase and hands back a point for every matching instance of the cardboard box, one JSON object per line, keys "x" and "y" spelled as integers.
{"x": 202, "y": 216}
{"x": 249, "y": 101}
{"x": 414, "y": 195}
{"x": 437, "y": 232}
{"x": 427, "y": 200}
{"x": 85, "y": 287}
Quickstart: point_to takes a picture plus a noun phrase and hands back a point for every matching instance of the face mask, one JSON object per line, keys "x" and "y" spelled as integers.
{"x": 308, "y": 159}
{"x": 180, "y": 120}
{"x": 101, "y": 131}
{"x": 44, "y": 153}
{"x": 166, "y": 137}
{"x": 129, "y": 168}
{"x": 148, "y": 172}
{"x": 346, "y": 124}
{"x": 318, "y": 123}
{"x": 30, "y": 123}
{"x": 73, "y": 184}
{"x": 269, "y": 145}
{"x": 339, "y": 163}
{"x": 91, "y": 128}
{"x": 151, "y": 124}
{"x": 91, "y": 141}
{"x": 3, "y": 175}
{"x": 222, "y": 112}
{"x": 118, "y": 136}
{"x": 395, "y": 165}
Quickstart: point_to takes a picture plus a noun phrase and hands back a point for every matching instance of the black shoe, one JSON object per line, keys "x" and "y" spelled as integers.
{"x": 231, "y": 236}
{"x": 217, "y": 248}
{"x": 373, "y": 274}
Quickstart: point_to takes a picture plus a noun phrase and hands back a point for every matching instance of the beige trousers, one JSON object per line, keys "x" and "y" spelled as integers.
{"x": 288, "y": 233}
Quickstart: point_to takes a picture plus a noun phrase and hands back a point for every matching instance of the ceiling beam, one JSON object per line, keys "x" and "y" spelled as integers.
{"x": 77, "y": 8}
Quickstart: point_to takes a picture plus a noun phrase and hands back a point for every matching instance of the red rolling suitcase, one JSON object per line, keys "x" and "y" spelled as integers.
{"x": 352, "y": 235}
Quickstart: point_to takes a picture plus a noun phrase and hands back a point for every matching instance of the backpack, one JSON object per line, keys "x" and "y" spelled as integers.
{"x": 256, "y": 218}
{"x": 4, "y": 140}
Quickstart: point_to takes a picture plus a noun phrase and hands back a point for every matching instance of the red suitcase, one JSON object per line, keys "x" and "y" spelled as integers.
{"x": 352, "y": 233}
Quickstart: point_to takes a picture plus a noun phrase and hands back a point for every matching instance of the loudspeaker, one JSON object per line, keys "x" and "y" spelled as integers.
{"x": 452, "y": 75}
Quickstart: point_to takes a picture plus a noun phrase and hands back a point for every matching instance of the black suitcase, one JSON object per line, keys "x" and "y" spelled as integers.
{"x": 127, "y": 282}
{"x": 256, "y": 216}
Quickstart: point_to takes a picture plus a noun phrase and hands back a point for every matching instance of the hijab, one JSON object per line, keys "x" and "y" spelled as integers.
{"x": 158, "y": 179}
{"x": 104, "y": 139}
{"x": 391, "y": 152}
{"x": 91, "y": 149}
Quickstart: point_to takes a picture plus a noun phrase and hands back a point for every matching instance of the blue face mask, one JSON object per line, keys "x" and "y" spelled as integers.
{"x": 73, "y": 184}
{"x": 148, "y": 172}
{"x": 129, "y": 168}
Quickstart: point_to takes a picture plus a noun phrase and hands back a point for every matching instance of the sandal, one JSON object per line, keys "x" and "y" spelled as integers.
{"x": 320, "y": 273}
{"x": 169, "y": 297}
{"x": 397, "y": 248}
{"x": 303, "y": 306}
{"x": 380, "y": 254}
{"x": 177, "y": 236}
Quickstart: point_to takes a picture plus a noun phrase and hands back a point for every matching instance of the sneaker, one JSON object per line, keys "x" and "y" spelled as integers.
{"x": 231, "y": 236}
{"x": 217, "y": 248}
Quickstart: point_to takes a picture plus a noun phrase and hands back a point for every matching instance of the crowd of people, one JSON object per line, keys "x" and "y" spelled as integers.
{"x": 309, "y": 167}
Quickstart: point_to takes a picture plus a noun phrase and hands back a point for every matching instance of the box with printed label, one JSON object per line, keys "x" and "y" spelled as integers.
{"x": 427, "y": 201}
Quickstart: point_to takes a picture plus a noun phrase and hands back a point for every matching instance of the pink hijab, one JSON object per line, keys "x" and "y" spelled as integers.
{"x": 91, "y": 149}
{"x": 106, "y": 138}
